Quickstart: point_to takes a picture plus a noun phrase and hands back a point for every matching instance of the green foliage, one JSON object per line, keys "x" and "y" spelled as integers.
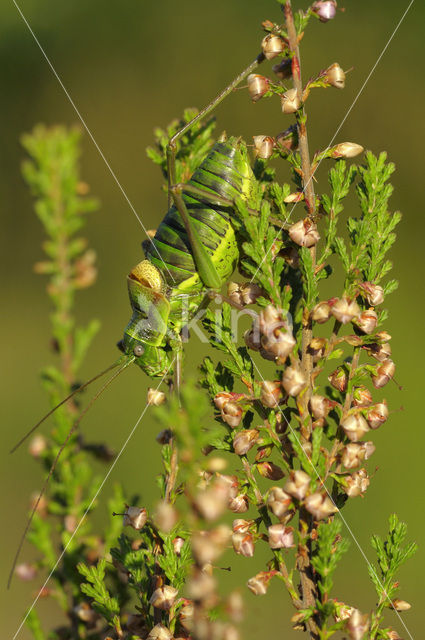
{"x": 326, "y": 556}
{"x": 391, "y": 553}
{"x": 192, "y": 147}
{"x": 94, "y": 587}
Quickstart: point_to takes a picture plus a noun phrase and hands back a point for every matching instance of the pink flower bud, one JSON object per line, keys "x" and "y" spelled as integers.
{"x": 290, "y": 101}
{"x": 270, "y": 470}
{"x": 357, "y": 625}
{"x": 325, "y": 10}
{"x": 283, "y": 69}
{"x": 163, "y": 598}
{"x": 377, "y": 415}
{"x": 280, "y": 504}
{"x": 271, "y": 393}
{"x": 259, "y": 583}
{"x": 321, "y": 312}
{"x": 293, "y": 380}
{"x": 320, "y": 506}
{"x": 135, "y": 517}
{"x": 339, "y": 380}
{"x": 257, "y": 86}
{"x": 373, "y": 293}
{"x": 272, "y": 46}
{"x": 367, "y": 321}
{"x": 280, "y": 536}
{"x": 355, "y": 426}
{"x": 384, "y": 373}
{"x": 244, "y": 440}
{"x": 304, "y": 233}
{"x": 298, "y": 484}
{"x": 320, "y": 406}
{"x": 362, "y": 397}
{"x": 243, "y": 544}
{"x": 263, "y": 146}
{"x": 335, "y": 76}
{"x": 356, "y": 484}
{"x": 345, "y": 310}
{"x": 239, "y": 504}
{"x": 346, "y": 150}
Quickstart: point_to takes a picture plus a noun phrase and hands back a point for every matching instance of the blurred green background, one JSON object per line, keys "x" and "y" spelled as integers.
{"x": 130, "y": 66}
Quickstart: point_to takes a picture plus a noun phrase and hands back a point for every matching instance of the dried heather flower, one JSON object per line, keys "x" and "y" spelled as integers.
{"x": 362, "y": 397}
{"x": 345, "y": 310}
{"x": 298, "y": 484}
{"x": 373, "y": 293}
{"x": 135, "y": 517}
{"x": 155, "y": 397}
{"x": 293, "y": 380}
{"x": 321, "y": 312}
{"x": 244, "y": 440}
{"x": 335, "y": 76}
{"x": 272, "y": 46}
{"x": 242, "y": 526}
{"x": 384, "y": 373}
{"x": 239, "y": 504}
{"x": 288, "y": 139}
{"x": 319, "y": 505}
{"x": 377, "y": 415}
{"x": 401, "y": 605}
{"x": 356, "y": 484}
{"x": 367, "y": 321}
{"x": 270, "y": 470}
{"x": 271, "y": 393}
{"x": 354, "y": 453}
{"x": 37, "y": 446}
{"x": 339, "y": 379}
{"x": 159, "y": 632}
{"x": 257, "y": 86}
{"x": 380, "y": 351}
{"x": 84, "y": 612}
{"x": 278, "y": 344}
{"x": 163, "y": 598}
{"x": 263, "y": 146}
{"x": 304, "y": 233}
{"x": 259, "y": 583}
{"x": 280, "y": 504}
{"x": 320, "y": 406}
{"x": 280, "y": 536}
{"x": 342, "y": 611}
{"x": 290, "y": 101}
{"x": 178, "y": 545}
{"x": 165, "y": 516}
{"x": 355, "y": 426}
{"x": 232, "y": 414}
{"x": 243, "y": 544}
{"x": 317, "y": 348}
{"x": 357, "y": 625}
{"x": 346, "y": 150}
{"x": 25, "y": 571}
{"x": 235, "y": 606}
{"x": 207, "y": 546}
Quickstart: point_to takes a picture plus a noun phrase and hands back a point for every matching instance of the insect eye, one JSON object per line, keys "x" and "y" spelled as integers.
{"x": 138, "y": 350}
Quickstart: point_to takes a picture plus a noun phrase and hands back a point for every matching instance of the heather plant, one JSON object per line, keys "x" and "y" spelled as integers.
{"x": 275, "y": 436}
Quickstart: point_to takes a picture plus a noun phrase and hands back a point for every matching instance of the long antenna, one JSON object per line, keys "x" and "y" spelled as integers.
{"x": 71, "y": 395}
{"x": 128, "y": 361}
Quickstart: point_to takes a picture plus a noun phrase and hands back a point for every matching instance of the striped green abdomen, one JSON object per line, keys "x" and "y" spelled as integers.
{"x": 226, "y": 172}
